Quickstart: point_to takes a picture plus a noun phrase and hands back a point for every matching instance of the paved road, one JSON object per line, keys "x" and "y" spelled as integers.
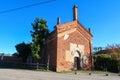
{"x": 14, "y": 74}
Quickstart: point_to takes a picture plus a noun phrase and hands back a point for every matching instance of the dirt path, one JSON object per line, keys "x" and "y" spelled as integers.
{"x": 14, "y": 74}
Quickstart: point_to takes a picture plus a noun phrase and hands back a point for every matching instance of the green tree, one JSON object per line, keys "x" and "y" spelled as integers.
{"x": 96, "y": 49}
{"x": 39, "y": 37}
{"x": 15, "y": 54}
{"x": 23, "y": 50}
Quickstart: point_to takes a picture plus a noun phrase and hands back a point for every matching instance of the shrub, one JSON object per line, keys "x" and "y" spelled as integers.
{"x": 106, "y": 63}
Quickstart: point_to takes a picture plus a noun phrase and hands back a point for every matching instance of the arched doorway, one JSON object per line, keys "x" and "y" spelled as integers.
{"x": 77, "y": 60}
{"x": 77, "y": 63}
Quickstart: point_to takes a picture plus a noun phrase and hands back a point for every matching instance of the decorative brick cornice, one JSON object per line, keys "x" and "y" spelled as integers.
{"x": 63, "y": 28}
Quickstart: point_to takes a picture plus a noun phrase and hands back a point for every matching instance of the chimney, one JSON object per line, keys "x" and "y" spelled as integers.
{"x": 58, "y": 21}
{"x": 75, "y": 12}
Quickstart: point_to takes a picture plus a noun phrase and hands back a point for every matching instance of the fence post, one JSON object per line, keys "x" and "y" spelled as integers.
{"x": 106, "y": 70}
{"x": 37, "y": 65}
{"x": 118, "y": 70}
{"x": 47, "y": 66}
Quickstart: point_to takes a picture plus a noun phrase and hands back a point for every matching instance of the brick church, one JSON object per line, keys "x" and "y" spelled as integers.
{"x": 70, "y": 46}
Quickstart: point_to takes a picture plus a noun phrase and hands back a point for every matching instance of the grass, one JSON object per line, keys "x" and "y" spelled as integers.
{"x": 44, "y": 70}
{"x": 84, "y": 71}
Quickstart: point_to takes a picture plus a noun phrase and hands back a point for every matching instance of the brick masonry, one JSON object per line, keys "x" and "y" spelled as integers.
{"x": 68, "y": 41}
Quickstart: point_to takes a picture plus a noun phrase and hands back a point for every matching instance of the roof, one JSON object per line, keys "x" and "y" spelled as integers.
{"x": 69, "y": 26}
{"x": 72, "y": 25}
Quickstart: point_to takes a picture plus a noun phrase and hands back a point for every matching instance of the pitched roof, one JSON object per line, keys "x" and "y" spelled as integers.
{"x": 72, "y": 25}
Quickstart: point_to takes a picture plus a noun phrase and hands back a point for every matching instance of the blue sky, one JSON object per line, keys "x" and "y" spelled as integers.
{"x": 102, "y": 16}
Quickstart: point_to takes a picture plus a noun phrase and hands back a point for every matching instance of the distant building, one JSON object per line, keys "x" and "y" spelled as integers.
{"x": 70, "y": 46}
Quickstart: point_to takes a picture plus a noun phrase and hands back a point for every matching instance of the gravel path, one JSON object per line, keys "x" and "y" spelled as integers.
{"x": 14, "y": 74}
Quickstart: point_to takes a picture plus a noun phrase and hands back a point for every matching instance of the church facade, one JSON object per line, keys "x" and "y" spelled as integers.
{"x": 70, "y": 46}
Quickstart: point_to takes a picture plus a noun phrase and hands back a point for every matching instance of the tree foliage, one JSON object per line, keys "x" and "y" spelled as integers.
{"x": 39, "y": 36}
{"x": 96, "y": 49}
{"x": 15, "y": 54}
{"x": 113, "y": 50}
{"x": 105, "y": 62}
{"x": 23, "y": 50}
{"x": 109, "y": 58}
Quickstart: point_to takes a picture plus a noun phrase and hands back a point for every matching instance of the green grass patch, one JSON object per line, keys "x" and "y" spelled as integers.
{"x": 84, "y": 71}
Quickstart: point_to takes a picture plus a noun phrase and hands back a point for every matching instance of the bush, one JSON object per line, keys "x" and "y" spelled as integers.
{"x": 106, "y": 63}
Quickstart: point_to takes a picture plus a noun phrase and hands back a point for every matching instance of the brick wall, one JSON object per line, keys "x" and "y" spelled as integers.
{"x": 59, "y": 44}
{"x": 52, "y": 50}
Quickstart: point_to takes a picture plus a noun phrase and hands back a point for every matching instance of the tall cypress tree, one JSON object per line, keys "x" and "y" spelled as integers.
{"x": 39, "y": 37}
